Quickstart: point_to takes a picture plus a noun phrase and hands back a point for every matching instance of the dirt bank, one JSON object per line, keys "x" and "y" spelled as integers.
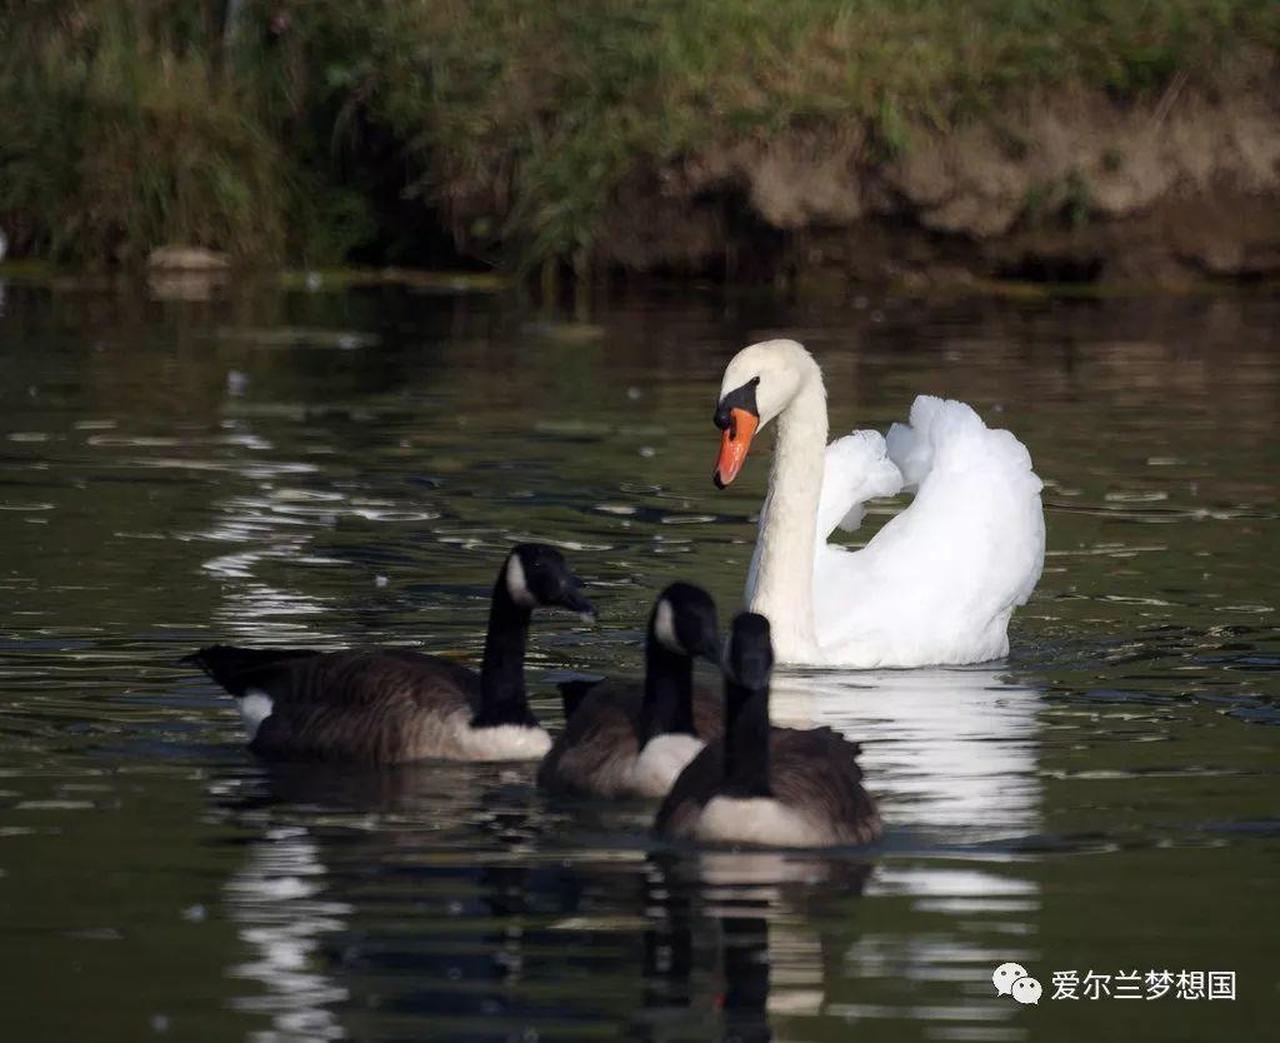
{"x": 929, "y": 141}
{"x": 1063, "y": 185}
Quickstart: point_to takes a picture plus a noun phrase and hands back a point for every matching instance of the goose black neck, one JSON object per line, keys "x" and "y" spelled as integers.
{"x": 746, "y": 741}
{"x": 667, "y": 707}
{"x": 502, "y": 695}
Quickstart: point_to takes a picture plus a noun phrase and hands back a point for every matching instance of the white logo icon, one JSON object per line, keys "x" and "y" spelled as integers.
{"x": 1005, "y": 975}
{"x": 1012, "y": 979}
{"x": 1027, "y": 990}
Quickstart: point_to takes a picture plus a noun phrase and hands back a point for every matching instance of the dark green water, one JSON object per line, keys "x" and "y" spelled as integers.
{"x": 328, "y": 469}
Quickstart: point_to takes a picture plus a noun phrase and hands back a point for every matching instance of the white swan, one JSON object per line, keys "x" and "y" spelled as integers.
{"x": 938, "y": 583}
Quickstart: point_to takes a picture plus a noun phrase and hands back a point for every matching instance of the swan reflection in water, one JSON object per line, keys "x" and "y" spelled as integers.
{"x": 438, "y": 895}
{"x": 278, "y": 901}
{"x": 951, "y": 755}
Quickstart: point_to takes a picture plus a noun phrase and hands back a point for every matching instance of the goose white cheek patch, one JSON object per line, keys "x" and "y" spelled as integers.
{"x": 664, "y": 628}
{"x": 517, "y": 587}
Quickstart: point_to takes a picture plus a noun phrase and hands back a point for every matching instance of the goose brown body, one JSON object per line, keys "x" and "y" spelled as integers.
{"x": 382, "y": 706}
{"x": 597, "y": 750}
{"x": 629, "y": 738}
{"x": 761, "y": 785}
{"x": 391, "y": 705}
{"x": 813, "y": 774}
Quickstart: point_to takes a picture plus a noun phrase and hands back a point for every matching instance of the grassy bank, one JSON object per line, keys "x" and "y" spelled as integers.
{"x": 316, "y": 131}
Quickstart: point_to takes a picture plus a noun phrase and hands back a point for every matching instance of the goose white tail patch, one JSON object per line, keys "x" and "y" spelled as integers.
{"x": 255, "y": 707}
{"x": 664, "y": 628}
{"x": 758, "y": 820}
{"x": 517, "y": 587}
{"x": 662, "y": 759}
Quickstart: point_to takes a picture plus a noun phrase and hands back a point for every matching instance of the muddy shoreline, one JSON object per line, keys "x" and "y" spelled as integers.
{"x": 1065, "y": 186}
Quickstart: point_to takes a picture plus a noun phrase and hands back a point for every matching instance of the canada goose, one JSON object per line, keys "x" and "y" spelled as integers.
{"x": 778, "y": 787}
{"x": 624, "y": 738}
{"x": 936, "y": 584}
{"x": 389, "y": 705}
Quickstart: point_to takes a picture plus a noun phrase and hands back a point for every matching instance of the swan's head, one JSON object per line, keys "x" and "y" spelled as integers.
{"x": 748, "y": 660}
{"x": 759, "y": 382}
{"x": 685, "y": 622}
{"x": 537, "y": 576}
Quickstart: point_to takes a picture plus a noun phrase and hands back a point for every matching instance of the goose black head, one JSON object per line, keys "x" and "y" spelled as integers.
{"x": 749, "y": 660}
{"x": 684, "y": 621}
{"x": 537, "y": 576}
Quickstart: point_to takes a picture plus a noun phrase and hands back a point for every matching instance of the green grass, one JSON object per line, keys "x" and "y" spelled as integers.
{"x": 121, "y": 138}
{"x": 510, "y": 122}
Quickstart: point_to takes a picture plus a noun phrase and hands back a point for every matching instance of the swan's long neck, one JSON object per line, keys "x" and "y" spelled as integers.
{"x": 783, "y": 589}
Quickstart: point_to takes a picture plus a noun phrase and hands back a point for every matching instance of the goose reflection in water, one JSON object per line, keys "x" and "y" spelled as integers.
{"x": 453, "y": 900}
{"x": 733, "y": 938}
{"x": 355, "y": 910}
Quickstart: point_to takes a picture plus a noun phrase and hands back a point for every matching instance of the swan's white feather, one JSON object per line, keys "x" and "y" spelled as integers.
{"x": 938, "y": 583}
{"x": 856, "y": 468}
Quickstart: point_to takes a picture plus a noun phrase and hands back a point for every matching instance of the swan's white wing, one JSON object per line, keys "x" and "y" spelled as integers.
{"x": 938, "y": 583}
{"x": 934, "y": 422}
{"x": 856, "y": 469}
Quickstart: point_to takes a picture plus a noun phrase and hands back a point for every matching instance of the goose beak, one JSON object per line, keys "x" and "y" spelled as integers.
{"x": 575, "y": 602}
{"x": 734, "y": 444}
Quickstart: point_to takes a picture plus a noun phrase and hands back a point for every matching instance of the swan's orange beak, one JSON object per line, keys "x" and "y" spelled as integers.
{"x": 734, "y": 443}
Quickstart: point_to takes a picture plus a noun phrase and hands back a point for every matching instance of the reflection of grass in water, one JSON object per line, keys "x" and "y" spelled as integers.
{"x": 520, "y": 119}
